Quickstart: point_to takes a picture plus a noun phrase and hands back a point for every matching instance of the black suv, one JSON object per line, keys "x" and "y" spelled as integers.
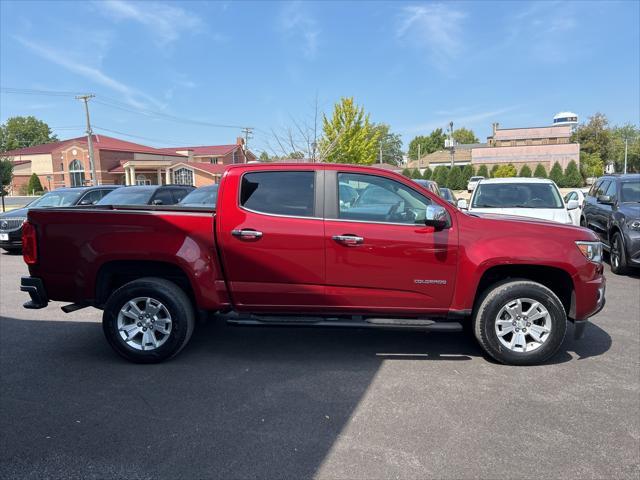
{"x": 11, "y": 222}
{"x": 147, "y": 195}
{"x": 612, "y": 210}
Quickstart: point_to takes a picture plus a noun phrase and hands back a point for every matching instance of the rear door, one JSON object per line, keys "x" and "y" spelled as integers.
{"x": 271, "y": 235}
{"x": 380, "y": 255}
{"x": 599, "y": 212}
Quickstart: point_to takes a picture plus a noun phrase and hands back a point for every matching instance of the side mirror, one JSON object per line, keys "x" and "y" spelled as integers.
{"x": 572, "y": 204}
{"x": 436, "y": 217}
{"x": 462, "y": 204}
{"x": 157, "y": 202}
{"x": 605, "y": 199}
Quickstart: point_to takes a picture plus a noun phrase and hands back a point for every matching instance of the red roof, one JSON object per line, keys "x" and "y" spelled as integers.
{"x": 100, "y": 142}
{"x": 214, "y": 150}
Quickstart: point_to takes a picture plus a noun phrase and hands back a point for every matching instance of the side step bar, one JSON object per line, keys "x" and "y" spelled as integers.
{"x": 399, "y": 323}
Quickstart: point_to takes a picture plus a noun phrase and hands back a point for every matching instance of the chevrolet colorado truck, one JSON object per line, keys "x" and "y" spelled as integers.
{"x": 316, "y": 244}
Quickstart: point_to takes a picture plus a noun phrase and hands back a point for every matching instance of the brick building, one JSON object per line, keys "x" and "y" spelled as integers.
{"x": 66, "y": 163}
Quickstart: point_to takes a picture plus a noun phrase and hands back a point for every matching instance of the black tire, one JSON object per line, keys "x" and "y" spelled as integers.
{"x": 500, "y": 295}
{"x": 618, "y": 255}
{"x": 583, "y": 222}
{"x": 177, "y": 304}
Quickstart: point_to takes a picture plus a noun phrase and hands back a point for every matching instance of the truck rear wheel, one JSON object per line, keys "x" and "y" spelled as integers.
{"x": 520, "y": 322}
{"x": 148, "y": 320}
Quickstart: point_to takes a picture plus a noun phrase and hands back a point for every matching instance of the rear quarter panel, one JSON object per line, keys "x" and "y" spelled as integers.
{"x": 74, "y": 244}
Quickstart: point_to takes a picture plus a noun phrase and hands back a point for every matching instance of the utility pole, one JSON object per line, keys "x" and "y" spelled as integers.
{"x": 451, "y": 144}
{"x": 419, "y": 158}
{"x": 380, "y": 161}
{"x": 248, "y": 134}
{"x": 85, "y": 99}
{"x": 626, "y": 141}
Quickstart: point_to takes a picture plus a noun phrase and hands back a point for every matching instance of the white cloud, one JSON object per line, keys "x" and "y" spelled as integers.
{"x": 295, "y": 22}
{"x": 459, "y": 120}
{"x": 436, "y": 28}
{"x": 62, "y": 58}
{"x": 166, "y": 22}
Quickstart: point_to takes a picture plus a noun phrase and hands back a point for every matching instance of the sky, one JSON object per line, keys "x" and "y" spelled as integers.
{"x": 193, "y": 73}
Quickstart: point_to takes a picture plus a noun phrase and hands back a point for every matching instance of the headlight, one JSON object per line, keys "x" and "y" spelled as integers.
{"x": 591, "y": 250}
{"x": 634, "y": 224}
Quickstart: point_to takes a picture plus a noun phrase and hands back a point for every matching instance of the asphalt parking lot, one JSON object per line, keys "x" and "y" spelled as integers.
{"x": 242, "y": 402}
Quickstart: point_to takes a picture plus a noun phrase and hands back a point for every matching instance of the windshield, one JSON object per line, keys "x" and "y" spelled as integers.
{"x": 57, "y": 199}
{"x": 516, "y": 195}
{"x": 127, "y": 196}
{"x": 630, "y": 192}
{"x": 202, "y": 196}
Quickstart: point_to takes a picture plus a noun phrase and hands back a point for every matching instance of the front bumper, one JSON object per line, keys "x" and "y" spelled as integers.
{"x": 580, "y": 324}
{"x": 632, "y": 245}
{"x": 14, "y": 240}
{"x": 35, "y": 288}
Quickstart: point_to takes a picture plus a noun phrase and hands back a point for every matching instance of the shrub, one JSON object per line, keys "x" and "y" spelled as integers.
{"x": 34, "y": 185}
{"x": 467, "y": 172}
{"x": 525, "y": 171}
{"x": 427, "y": 174}
{"x": 440, "y": 175}
{"x": 540, "y": 171}
{"x": 556, "y": 174}
{"x": 454, "y": 179}
{"x": 493, "y": 170}
{"x": 416, "y": 173}
{"x": 483, "y": 172}
{"x": 572, "y": 177}
{"x": 406, "y": 172}
{"x": 504, "y": 171}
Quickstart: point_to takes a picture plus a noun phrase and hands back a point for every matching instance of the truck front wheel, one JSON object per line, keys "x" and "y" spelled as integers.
{"x": 520, "y": 322}
{"x": 148, "y": 320}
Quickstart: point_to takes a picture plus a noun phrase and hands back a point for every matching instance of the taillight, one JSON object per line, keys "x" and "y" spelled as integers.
{"x": 29, "y": 244}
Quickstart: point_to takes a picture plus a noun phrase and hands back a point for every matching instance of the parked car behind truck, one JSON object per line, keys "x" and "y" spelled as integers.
{"x": 612, "y": 210}
{"x": 283, "y": 248}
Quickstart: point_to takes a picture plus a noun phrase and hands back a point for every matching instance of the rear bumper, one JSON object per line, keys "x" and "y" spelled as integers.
{"x": 35, "y": 288}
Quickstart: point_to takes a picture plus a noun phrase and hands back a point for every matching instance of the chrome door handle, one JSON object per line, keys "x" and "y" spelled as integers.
{"x": 348, "y": 239}
{"x": 247, "y": 233}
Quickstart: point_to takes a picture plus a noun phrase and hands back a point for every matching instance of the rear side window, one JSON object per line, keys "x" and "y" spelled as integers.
{"x": 163, "y": 197}
{"x": 279, "y": 193}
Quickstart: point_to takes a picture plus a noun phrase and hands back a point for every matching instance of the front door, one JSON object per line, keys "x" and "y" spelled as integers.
{"x": 271, "y": 238}
{"x": 380, "y": 255}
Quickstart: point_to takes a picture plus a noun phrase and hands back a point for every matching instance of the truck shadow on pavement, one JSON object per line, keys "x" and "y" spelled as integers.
{"x": 238, "y": 402}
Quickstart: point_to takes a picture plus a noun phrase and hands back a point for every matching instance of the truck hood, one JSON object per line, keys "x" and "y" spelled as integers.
{"x": 559, "y": 215}
{"x": 631, "y": 210}
{"x": 18, "y": 212}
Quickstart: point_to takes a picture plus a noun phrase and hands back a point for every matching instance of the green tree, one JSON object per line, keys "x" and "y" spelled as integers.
{"x": 632, "y": 134}
{"x": 427, "y": 174}
{"x": 572, "y": 177}
{"x": 6, "y": 175}
{"x": 540, "y": 171}
{"x": 525, "y": 171}
{"x": 406, "y": 172}
{"x": 454, "y": 179}
{"x": 467, "y": 173}
{"x": 390, "y": 144}
{"x": 34, "y": 186}
{"x": 429, "y": 144}
{"x": 556, "y": 174}
{"x": 504, "y": 171}
{"x": 591, "y": 165}
{"x": 594, "y": 136}
{"x": 348, "y": 137}
{"x": 464, "y": 136}
{"x": 415, "y": 173}
{"x": 19, "y": 132}
{"x": 440, "y": 175}
{"x": 494, "y": 169}
{"x": 264, "y": 157}
{"x": 483, "y": 172}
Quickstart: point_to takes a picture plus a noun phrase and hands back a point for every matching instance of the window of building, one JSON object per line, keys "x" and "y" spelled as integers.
{"x": 183, "y": 176}
{"x": 76, "y": 173}
{"x": 378, "y": 199}
{"x": 142, "y": 180}
{"x": 280, "y": 193}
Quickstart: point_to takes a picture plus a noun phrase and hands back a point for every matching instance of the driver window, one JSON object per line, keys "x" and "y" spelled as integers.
{"x": 378, "y": 199}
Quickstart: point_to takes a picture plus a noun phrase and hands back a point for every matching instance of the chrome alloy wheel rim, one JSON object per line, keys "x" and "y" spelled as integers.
{"x": 144, "y": 323}
{"x": 615, "y": 253}
{"x": 523, "y": 325}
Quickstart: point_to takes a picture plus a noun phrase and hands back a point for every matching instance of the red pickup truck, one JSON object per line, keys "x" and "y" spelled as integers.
{"x": 316, "y": 244}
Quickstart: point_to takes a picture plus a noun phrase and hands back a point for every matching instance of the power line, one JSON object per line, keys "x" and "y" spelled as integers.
{"x": 30, "y": 91}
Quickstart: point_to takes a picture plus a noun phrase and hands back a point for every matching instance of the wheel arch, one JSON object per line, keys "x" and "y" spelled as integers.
{"x": 555, "y": 279}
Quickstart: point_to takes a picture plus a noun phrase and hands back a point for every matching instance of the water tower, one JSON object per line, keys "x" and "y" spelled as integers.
{"x": 566, "y": 118}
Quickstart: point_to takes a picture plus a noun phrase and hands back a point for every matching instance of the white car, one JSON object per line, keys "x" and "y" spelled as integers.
{"x": 524, "y": 197}
{"x": 473, "y": 182}
{"x": 577, "y": 194}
